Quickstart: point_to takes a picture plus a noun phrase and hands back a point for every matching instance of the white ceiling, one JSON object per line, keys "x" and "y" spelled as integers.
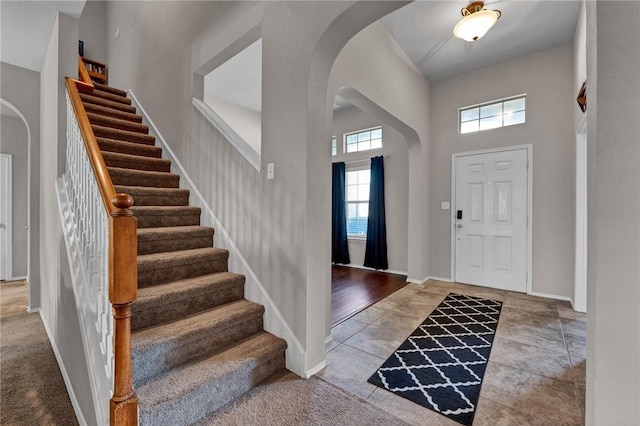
{"x": 424, "y": 30}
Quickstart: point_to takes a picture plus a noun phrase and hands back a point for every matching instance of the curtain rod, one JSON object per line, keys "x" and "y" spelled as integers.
{"x": 360, "y": 161}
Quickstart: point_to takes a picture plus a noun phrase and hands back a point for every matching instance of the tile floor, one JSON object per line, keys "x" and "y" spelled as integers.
{"x": 535, "y": 375}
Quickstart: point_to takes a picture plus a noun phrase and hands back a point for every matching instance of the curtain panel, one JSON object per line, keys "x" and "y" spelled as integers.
{"x": 339, "y": 247}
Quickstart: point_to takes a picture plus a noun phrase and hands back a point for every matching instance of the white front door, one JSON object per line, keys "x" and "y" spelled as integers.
{"x": 490, "y": 219}
{"x": 5, "y": 216}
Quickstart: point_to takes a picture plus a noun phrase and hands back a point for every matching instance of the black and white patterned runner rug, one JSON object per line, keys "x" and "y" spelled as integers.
{"x": 441, "y": 365}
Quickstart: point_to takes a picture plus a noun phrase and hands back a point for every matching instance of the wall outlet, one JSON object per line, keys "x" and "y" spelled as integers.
{"x": 270, "y": 171}
{"x": 444, "y": 205}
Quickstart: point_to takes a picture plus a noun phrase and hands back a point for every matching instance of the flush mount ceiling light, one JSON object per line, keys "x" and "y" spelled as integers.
{"x": 476, "y": 21}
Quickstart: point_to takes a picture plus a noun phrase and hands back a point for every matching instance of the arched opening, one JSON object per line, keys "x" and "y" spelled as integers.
{"x": 16, "y": 141}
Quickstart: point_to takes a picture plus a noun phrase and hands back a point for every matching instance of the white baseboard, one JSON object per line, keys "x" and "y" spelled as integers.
{"x": 315, "y": 370}
{"x": 446, "y": 280}
{"x": 274, "y": 322}
{"x": 386, "y": 271}
{"x": 552, "y": 296}
{"x": 33, "y": 310}
{"x": 417, "y": 280}
{"x": 328, "y": 339}
{"x": 20, "y": 278}
{"x": 63, "y": 371}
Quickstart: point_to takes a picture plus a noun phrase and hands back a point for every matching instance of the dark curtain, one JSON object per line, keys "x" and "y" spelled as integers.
{"x": 375, "y": 255}
{"x": 339, "y": 247}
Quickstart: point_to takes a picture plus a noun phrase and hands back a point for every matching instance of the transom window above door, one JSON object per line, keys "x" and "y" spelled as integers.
{"x": 492, "y": 115}
{"x": 363, "y": 140}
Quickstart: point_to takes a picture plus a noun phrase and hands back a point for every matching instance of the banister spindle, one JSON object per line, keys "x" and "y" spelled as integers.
{"x": 123, "y": 290}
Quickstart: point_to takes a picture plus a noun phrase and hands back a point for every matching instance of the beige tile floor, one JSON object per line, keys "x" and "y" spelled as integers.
{"x": 535, "y": 375}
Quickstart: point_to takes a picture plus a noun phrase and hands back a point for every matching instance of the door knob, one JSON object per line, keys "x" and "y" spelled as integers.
{"x": 459, "y": 225}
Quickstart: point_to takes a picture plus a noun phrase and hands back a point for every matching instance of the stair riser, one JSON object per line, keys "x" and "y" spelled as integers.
{"x": 150, "y": 200}
{"x": 146, "y": 314}
{"x": 89, "y": 99}
{"x": 146, "y": 364}
{"x": 111, "y": 97}
{"x": 113, "y": 113}
{"x": 122, "y": 135}
{"x": 174, "y": 244}
{"x": 108, "y": 145}
{"x": 159, "y": 221}
{"x": 209, "y": 397}
{"x": 115, "y": 123}
{"x": 155, "y": 181}
{"x": 150, "y": 165}
{"x": 170, "y": 272}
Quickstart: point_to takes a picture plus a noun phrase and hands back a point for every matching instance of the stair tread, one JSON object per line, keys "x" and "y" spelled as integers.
{"x": 146, "y": 261}
{"x": 88, "y": 98}
{"x": 136, "y": 158}
{"x": 117, "y": 123}
{"x": 110, "y": 96}
{"x": 220, "y": 316}
{"x": 111, "y": 89}
{"x": 173, "y": 231}
{"x": 178, "y": 381}
{"x": 112, "y": 112}
{"x": 149, "y": 190}
{"x": 141, "y": 172}
{"x": 163, "y": 210}
{"x": 175, "y": 288}
{"x": 124, "y": 147}
{"x": 123, "y": 135}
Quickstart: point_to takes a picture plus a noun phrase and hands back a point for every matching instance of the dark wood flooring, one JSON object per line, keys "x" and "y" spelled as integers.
{"x": 353, "y": 290}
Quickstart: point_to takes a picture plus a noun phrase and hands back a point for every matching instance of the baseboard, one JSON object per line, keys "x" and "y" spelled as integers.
{"x": 446, "y": 280}
{"x": 552, "y": 296}
{"x": 33, "y": 310}
{"x": 328, "y": 340}
{"x": 63, "y": 371}
{"x": 274, "y": 322}
{"x": 386, "y": 271}
{"x": 417, "y": 280}
{"x": 315, "y": 370}
{"x": 20, "y": 278}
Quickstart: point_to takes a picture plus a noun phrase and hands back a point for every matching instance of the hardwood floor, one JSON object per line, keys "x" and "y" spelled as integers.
{"x": 353, "y": 290}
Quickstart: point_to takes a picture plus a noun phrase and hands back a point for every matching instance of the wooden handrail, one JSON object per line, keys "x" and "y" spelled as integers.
{"x": 123, "y": 271}
{"x": 83, "y": 74}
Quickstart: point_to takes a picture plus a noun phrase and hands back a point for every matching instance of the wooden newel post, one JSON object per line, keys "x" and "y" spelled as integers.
{"x": 123, "y": 290}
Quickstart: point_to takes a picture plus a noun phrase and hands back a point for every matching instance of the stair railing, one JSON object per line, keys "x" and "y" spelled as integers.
{"x": 104, "y": 226}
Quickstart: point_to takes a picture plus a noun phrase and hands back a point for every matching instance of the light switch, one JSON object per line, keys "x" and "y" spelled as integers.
{"x": 270, "y": 171}
{"x": 444, "y": 205}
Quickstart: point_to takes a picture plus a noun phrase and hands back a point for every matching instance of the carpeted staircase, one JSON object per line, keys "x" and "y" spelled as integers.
{"x": 197, "y": 343}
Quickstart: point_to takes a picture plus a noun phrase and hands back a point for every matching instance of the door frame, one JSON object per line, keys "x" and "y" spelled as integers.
{"x": 454, "y": 157}
{"x": 7, "y": 180}
{"x": 580, "y": 286}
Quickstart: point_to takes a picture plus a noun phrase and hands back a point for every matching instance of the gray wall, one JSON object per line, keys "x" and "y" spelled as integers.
{"x": 613, "y": 314}
{"x": 21, "y": 88}
{"x": 547, "y": 78}
{"x": 58, "y": 309}
{"x": 396, "y": 183}
{"x": 93, "y": 27}
{"x": 14, "y": 141}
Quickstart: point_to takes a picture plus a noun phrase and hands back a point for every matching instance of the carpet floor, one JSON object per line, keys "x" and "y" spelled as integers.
{"x": 32, "y": 391}
{"x": 291, "y": 401}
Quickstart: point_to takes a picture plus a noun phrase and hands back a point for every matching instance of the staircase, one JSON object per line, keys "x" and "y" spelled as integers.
{"x": 196, "y": 342}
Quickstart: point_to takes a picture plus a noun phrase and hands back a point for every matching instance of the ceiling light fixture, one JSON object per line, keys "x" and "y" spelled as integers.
{"x": 476, "y": 21}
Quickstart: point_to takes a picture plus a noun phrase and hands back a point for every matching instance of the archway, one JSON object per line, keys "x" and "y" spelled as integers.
{"x": 29, "y": 217}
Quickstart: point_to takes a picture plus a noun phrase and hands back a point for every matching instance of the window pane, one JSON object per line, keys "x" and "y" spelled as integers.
{"x": 352, "y": 139}
{"x": 363, "y": 210}
{"x": 514, "y": 118}
{"x": 364, "y": 136}
{"x": 514, "y": 105}
{"x": 469, "y": 126}
{"x": 352, "y": 147}
{"x": 376, "y": 134}
{"x": 334, "y": 146}
{"x": 352, "y": 210}
{"x": 376, "y": 143}
{"x": 363, "y": 192}
{"x": 352, "y": 192}
{"x": 364, "y": 176}
{"x": 470, "y": 114}
{"x": 490, "y": 110}
{"x": 352, "y": 178}
{"x": 490, "y": 122}
{"x": 364, "y": 146}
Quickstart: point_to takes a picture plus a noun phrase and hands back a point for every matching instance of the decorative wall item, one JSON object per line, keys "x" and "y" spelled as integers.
{"x": 582, "y": 97}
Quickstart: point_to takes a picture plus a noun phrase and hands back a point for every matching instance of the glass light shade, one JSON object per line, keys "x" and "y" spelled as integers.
{"x": 472, "y": 27}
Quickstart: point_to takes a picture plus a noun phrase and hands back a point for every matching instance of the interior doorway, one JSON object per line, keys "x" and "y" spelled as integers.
{"x": 492, "y": 204}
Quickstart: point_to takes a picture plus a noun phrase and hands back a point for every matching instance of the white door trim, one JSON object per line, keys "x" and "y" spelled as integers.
{"x": 6, "y": 180}
{"x": 454, "y": 156}
{"x": 580, "y": 286}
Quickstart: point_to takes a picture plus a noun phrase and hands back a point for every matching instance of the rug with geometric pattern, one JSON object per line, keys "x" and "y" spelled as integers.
{"x": 441, "y": 364}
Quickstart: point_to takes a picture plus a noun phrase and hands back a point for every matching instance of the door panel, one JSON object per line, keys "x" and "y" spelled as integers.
{"x": 491, "y": 237}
